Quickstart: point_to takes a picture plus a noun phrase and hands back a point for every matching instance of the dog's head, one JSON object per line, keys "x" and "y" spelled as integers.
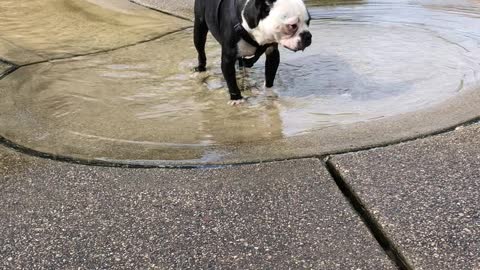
{"x": 282, "y": 21}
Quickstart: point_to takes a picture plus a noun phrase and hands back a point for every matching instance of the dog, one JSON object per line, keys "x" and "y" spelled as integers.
{"x": 246, "y": 29}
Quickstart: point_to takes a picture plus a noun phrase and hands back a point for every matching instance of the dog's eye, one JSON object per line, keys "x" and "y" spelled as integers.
{"x": 293, "y": 27}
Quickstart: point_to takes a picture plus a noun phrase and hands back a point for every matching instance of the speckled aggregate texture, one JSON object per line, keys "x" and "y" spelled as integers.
{"x": 426, "y": 195}
{"x": 269, "y": 216}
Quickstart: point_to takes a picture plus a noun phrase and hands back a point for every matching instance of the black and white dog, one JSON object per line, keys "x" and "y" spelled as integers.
{"x": 248, "y": 28}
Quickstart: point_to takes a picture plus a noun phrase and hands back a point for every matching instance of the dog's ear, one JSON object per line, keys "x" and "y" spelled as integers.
{"x": 256, "y": 10}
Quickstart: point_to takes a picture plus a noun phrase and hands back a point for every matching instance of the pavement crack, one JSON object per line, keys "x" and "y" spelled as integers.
{"x": 8, "y": 71}
{"x": 369, "y": 220}
{"x": 4, "y": 61}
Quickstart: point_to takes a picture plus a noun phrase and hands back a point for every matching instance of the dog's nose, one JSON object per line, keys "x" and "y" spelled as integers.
{"x": 306, "y": 38}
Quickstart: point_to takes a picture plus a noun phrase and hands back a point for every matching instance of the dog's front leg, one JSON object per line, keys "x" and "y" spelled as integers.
{"x": 229, "y": 57}
{"x": 271, "y": 65}
{"x": 249, "y": 62}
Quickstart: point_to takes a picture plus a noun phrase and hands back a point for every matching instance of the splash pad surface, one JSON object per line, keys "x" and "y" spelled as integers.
{"x": 375, "y": 73}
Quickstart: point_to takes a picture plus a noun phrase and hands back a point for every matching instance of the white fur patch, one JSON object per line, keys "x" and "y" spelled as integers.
{"x": 272, "y": 28}
{"x": 245, "y": 49}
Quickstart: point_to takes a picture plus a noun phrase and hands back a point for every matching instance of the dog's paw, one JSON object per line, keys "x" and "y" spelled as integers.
{"x": 236, "y": 102}
{"x": 200, "y": 75}
{"x": 270, "y": 93}
{"x": 199, "y": 69}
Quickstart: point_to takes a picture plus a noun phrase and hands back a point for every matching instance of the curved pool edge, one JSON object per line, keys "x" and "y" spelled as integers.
{"x": 444, "y": 117}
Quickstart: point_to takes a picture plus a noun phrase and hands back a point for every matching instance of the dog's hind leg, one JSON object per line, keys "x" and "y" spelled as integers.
{"x": 200, "y": 31}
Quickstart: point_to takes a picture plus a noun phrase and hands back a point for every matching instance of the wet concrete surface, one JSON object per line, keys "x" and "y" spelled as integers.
{"x": 372, "y": 76}
{"x": 3, "y": 68}
{"x": 183, "y": 8}
{"x": 277, "y": 215}
{"x": 424, "y": 194}
{"x": 39, "y": 30}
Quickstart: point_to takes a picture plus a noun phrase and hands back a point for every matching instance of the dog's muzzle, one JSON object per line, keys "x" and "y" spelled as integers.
{"x": 305, "y": 40}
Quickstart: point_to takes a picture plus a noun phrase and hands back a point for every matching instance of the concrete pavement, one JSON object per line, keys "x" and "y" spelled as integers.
{"x": 424, "y": 195}
{"x": 418, "y": 200}
{"x": 266, "y": 216}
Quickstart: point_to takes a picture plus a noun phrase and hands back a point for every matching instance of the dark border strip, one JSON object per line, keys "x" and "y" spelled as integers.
{"x": 92, "y": 162}
{"x": 138, "y": 164}
{"x": 372, "y": 224}
{"x": 148, "y": 164}
{"x": 4, "y": 61}
{"x": 161, "y": 11}
{"x": 12, "y": 67}
{"x": 8, "y": 71}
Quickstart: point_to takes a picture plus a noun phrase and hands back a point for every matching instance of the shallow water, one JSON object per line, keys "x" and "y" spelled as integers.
{"x": 368, "y": 60}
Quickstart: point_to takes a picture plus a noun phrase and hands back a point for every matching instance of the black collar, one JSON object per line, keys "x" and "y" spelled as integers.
{"x": 240, "y": 30}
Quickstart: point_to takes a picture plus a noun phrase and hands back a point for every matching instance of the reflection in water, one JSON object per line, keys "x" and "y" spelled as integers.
{"x": 366, "y": 62}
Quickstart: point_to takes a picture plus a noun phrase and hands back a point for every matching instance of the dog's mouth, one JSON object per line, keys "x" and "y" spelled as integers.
{"x": 293, "y": 50}
{"x": 294, "y": 44}
{"x": 291, "y": 43}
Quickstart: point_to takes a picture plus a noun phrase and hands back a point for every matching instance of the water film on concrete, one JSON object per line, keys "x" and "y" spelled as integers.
{"x": 39, "y": 30}
{"x": 375, "y": 73}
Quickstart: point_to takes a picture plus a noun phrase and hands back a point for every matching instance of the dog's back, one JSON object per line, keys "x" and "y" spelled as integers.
{"x": 206, "y": 14}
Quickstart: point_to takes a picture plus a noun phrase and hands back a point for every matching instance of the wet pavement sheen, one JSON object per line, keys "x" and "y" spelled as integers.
{"x": 3, "y": 68}
{"x": 367, "y": 62}
{"x": 39, "y": 30}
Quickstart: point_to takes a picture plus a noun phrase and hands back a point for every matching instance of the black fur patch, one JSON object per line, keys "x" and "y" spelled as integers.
{"x": 256, "y": 10}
